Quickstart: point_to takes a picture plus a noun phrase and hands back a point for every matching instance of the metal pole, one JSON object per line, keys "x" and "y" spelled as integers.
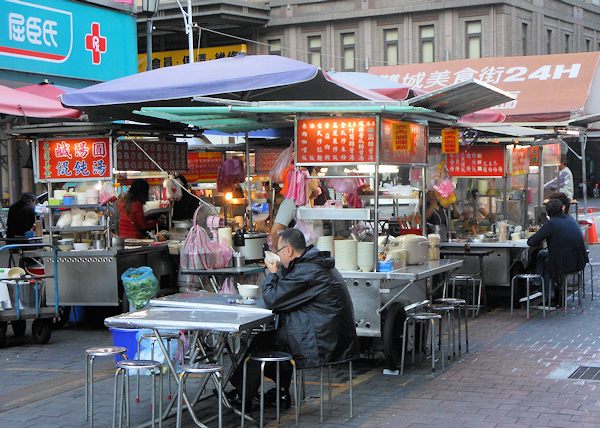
{"x": 540, "y": 187}
{"x": 583, "y": 141}
{"x": 249, "y": 182}
{"x": 190, "y": 32}
{"x": 149, "y": 43}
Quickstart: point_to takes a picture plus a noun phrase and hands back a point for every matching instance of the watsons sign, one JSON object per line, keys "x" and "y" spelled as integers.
{"x": 66, "y": 38}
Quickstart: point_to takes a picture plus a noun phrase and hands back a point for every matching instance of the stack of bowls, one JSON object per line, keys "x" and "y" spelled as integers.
{"x": 365, "y": 256}
{"x": 345, "y": 254}
{"x": 325, "y": 243}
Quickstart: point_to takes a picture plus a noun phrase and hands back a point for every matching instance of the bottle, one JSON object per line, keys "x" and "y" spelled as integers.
{"x": 38, "y": 227}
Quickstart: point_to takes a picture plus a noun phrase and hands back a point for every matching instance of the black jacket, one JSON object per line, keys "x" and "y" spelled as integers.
{"x": 315, "y": 310}
{"x": 566, "y": 247}
{"x": 21, "y": 218}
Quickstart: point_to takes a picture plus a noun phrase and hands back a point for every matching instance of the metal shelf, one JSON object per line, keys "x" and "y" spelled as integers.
{"x": 61, "y": 207}
{"x": 77, "y": 229}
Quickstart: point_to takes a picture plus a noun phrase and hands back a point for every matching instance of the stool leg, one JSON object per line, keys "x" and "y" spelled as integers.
{"x": 180, "y": 400}
{"x": 433, "y": 347}
{"x": 479, "y": 292}
{"x": 404, "y": 340}
{"x": 168, "y": 370}
{"x": 565, "y": 293}
{"x": 153, "y": 375}
{"x": 87, "y": 384}
{"x": 592, "y": 280}
{"x": 137, "y": 380}
{"x": 160, "y": 394}
{"x": 528, "y": 294}
{"x": 262, "y": 393}
{"x": 296, "y": 399}
{"x": 91, "y": 394}
{"x": 321, "y": 395}
{"x": 122, "y": 400}
{"x": 442, "y": 350}
{"x": 512, "y": 294}
{"x": 458, "y": 314}
{"x": 351, "y": 389}
{"x": 330, "y": 394}
{"x": 220, "y": 398}
{"x": 543, "y": 297}
{"x": 277, "y": 392}
{"x": 466, "y": 330}
{"x": 114, "y": 418}
{"x": 244, "y": 392}
{"x": 414, "y": 337}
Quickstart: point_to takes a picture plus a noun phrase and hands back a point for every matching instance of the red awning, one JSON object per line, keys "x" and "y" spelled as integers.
{"x": 21, "y": 102}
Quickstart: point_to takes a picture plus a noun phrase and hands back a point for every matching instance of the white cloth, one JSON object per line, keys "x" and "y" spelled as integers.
{"x": 563, "y": 183}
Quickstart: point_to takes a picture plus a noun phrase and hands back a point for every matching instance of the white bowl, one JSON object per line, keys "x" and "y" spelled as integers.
{"x": 248, "y": 291}
{"x": 81, "y": 246}
{"x": 271, "y": 257}
{"x": 65, "y": 247}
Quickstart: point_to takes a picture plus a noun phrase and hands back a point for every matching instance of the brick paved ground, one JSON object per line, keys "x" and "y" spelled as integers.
{"x": 513, "y": 376}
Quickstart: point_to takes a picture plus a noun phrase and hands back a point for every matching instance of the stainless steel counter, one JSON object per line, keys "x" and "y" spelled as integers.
{"x": 521, "y": 243}
{"x": 409, "y": 273}
{"x": 209, "y": 301}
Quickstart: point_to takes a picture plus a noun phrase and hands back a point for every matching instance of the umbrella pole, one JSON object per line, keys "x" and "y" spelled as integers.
{"x": 249, "y": 182}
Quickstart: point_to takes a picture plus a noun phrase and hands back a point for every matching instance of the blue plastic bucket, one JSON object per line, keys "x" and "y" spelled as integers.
{"x": 125, "y": 337}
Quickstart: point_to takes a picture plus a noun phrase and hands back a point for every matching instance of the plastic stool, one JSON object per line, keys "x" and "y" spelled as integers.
{"x": 152, "y": 338}
{"x": 123, "y": 369}
{"x": 90, "y": 356}
{"x": 422, "y": 317}
{"x": 467, "y": 278}
{"x": 592, "y": 266}
{"x": 528, "y": 277}
{"x": 461, "y": 308}
{"x": 263, "y": 358}
{"x": 205, "y": 369}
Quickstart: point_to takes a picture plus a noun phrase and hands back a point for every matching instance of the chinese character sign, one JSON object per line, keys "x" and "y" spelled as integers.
{"x": 519, "y": 160}
{"x": 450, "y": 140}
{"x": 348, "y": 140}
{"x": 394, "y": 137}
{"x": 74, "y": 159}
{"x": 534, "y": 156}
{"x": 477, "y": 161}
{"x": 402, "y": 137}
{"x": 551, "y": 154}
{"x": 203, "y": 166}
{"x": 171, "y": 157}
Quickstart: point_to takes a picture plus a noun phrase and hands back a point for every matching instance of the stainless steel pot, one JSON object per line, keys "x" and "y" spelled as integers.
{"x": 253, "y": 246}
{"x": 99, "y": 244}
{"x": 118, "y": 243}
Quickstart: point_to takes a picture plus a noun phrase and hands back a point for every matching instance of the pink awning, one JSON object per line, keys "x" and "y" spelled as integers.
{"x": 23, "y": 103}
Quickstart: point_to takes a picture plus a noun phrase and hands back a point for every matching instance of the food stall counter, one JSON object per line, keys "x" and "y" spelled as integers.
{"x": 409, "y": 273}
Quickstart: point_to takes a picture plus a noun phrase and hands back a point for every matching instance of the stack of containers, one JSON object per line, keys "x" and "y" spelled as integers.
{"x": 325, "y": 243}
{"x": 345, "y": 254}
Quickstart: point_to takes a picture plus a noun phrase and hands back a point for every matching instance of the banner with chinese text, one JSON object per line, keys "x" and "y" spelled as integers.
{"x": 203, "y": 166}
{"x": 534, "y": 156}
{"x": 477, "y": 161}
{"x": 171, "y": 157}
{"x": 450, "y": 142}
{"x": 341, "y": 140}
{"x": 389, "y": 148}
{"x": 551, "y": 154}
{"x": 75, "y": 159}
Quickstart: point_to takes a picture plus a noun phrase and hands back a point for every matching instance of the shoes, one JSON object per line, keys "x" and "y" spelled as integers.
{"x": 235, "y": 399}
{"x": 284, "y": 397}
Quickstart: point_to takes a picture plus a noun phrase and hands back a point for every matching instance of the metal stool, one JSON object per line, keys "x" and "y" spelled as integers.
{"x": 592, "y": 265}
{"x": 528, "y": 277}
{"x": 123, "y": 368}
{"x": 565, "y": 287}
{"x": 446, "y": 311}
{"x": 423, "y": 317}
{"x": 205, "y": 369}
{"x": 270, "y": 357}
{"x": 461, "y": 310}
{"x": 329, "y": 388}
{"x": 90, "y": 356}
{"x": 152, "y": 338}
{"x": 467, "y": 278}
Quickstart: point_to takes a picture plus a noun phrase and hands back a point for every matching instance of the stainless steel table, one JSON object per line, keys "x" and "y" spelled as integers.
{"x": 216, "y": 274}
{"x": 202, "y": 299}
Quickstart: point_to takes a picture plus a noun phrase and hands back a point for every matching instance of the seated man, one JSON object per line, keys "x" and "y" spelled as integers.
{"x": 566, "y": 247}
{"x": 316, "y": 322}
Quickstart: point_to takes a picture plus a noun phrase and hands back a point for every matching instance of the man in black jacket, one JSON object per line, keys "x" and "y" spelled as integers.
{"x": 21, "y": 216}
{"x": 316, "y": 322}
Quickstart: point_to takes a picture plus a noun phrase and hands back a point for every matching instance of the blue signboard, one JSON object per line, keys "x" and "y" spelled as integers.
{"x": 65, "y": 38}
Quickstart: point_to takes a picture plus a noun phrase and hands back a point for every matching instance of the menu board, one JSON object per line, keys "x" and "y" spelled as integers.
{"x": 75, "y": 159}
{"x": 450, "y": 141}
{"x": 519, "y": 160}
{"x": 203, "y": 166}
{"x": 534, "y": 156}
{"x": 477, "y": 161}
{"x": 403, "y": 143}
{"x": 171, "y": 156}
{"x": 341, "y": 140}
{"x": 265, "y": 157}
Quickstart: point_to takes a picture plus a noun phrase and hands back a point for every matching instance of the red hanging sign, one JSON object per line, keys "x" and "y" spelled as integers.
{"x": 341, "y": 140}
{"x": 450, "y": 142}
{"x": 477, "y": 161}
{"x": 75, "y": 159}
{"x": 203, "y": 166}
{"x": 534, "y": 156}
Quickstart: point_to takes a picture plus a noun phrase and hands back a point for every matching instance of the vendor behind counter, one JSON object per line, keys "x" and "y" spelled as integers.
{"x": 132, "y": 223}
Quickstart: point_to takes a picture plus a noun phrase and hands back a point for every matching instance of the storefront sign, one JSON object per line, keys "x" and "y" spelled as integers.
{"x": 519, "y": 160}
{"x": 534, "y": 156}
{"x": 171, "y": 157}
{"x": 477, "y": 161}
{"x": 450, "y": 141}
{"x": 264, "y": 158}
{"x": 76, "y": 159}
{"x": 418, "y": 142}
{"x": 402, "y": 137}
{"x": 67, "y": 38}
{"x": 169, "y": 58}
{"x": 551, "y": 154}
{"x": 203, "y": 166}
{"x": 343, "y": 140}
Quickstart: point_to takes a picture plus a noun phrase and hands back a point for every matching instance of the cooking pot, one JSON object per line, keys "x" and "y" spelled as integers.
{"x": 252, "y": 250}
{"x": 418, "y": 249}
{"x": 118, "y": 243}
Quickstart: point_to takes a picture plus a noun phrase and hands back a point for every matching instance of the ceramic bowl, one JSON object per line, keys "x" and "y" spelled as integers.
{"x": 81, "y": 246}
{"x": 248, "y": 291}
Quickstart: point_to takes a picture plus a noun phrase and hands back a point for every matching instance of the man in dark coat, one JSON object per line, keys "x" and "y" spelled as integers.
{"x": 566, "y": 247}
{"x": 316, "y": 322}
{"x": 21, "y": 216}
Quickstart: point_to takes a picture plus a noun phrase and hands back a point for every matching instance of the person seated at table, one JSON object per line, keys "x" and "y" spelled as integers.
{"x": 316, "y": 319}
{"x": 21, "y": 216}
{"x": 566, "y": 247}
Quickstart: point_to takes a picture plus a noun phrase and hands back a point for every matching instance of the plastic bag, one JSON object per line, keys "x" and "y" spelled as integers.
{"x": 151, "y": 351}
{"x": 283, "y": 161}
{"x": 311, "y": 229}
{"x": 173, "y": 189}
{"x": 140, "y": 285}
{"x": 107, "y": 193}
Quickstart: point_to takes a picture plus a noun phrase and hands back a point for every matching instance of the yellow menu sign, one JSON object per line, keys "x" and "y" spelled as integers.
{"x": 402, "y": 139}
{"x": 450, "y": 140}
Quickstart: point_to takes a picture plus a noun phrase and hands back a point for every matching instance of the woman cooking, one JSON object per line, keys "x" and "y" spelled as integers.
{"x": 132, "y": 223}
{"x": 437, "y": 215}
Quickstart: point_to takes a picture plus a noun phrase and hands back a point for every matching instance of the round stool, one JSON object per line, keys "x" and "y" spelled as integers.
{"x": 422, "y": 317}
{"x": 216, "y": 372}
{"x": 152, "y": 338}
{"x": 528, "y": 277}
{"x": 468, "y": 279}
{"x": 446, "y": 311}
{"x": 263, "y": 358}
{"x": 90, "y": 356}
{"x": 461, "y": 308}
{"x": 123, "y": 369}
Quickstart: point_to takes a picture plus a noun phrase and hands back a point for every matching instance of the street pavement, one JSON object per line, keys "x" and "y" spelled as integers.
{"x": 515, "y": 375}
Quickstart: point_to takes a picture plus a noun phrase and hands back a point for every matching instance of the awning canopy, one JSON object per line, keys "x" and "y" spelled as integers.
{"x": 511, "y": 130}
{"x": 21, "y": 103}
{"x": 247, "y": 78}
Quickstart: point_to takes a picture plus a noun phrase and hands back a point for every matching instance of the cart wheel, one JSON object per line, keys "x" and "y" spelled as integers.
{"x": 41, "y": 329}
{"x": 60, "y": 320}
{"x": 392, "y": 335}
{"x": 19, "y": 327}
{"x": 3, "y": 328}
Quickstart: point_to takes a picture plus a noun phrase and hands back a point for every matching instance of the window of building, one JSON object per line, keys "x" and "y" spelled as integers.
{"x": 390, "y": 46}
{"x": 348, "y": 52}
{"x": 567, "y": 47}
{"x": 274, "y": 46}
{"x": 427, "y": 39}
{"x": 314, "y": 50}
{"x": 474, "y": 39}
{"x": 588, "y": 44}
{"x": 548, "y": 41}
{"x": 524, "y": 38}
